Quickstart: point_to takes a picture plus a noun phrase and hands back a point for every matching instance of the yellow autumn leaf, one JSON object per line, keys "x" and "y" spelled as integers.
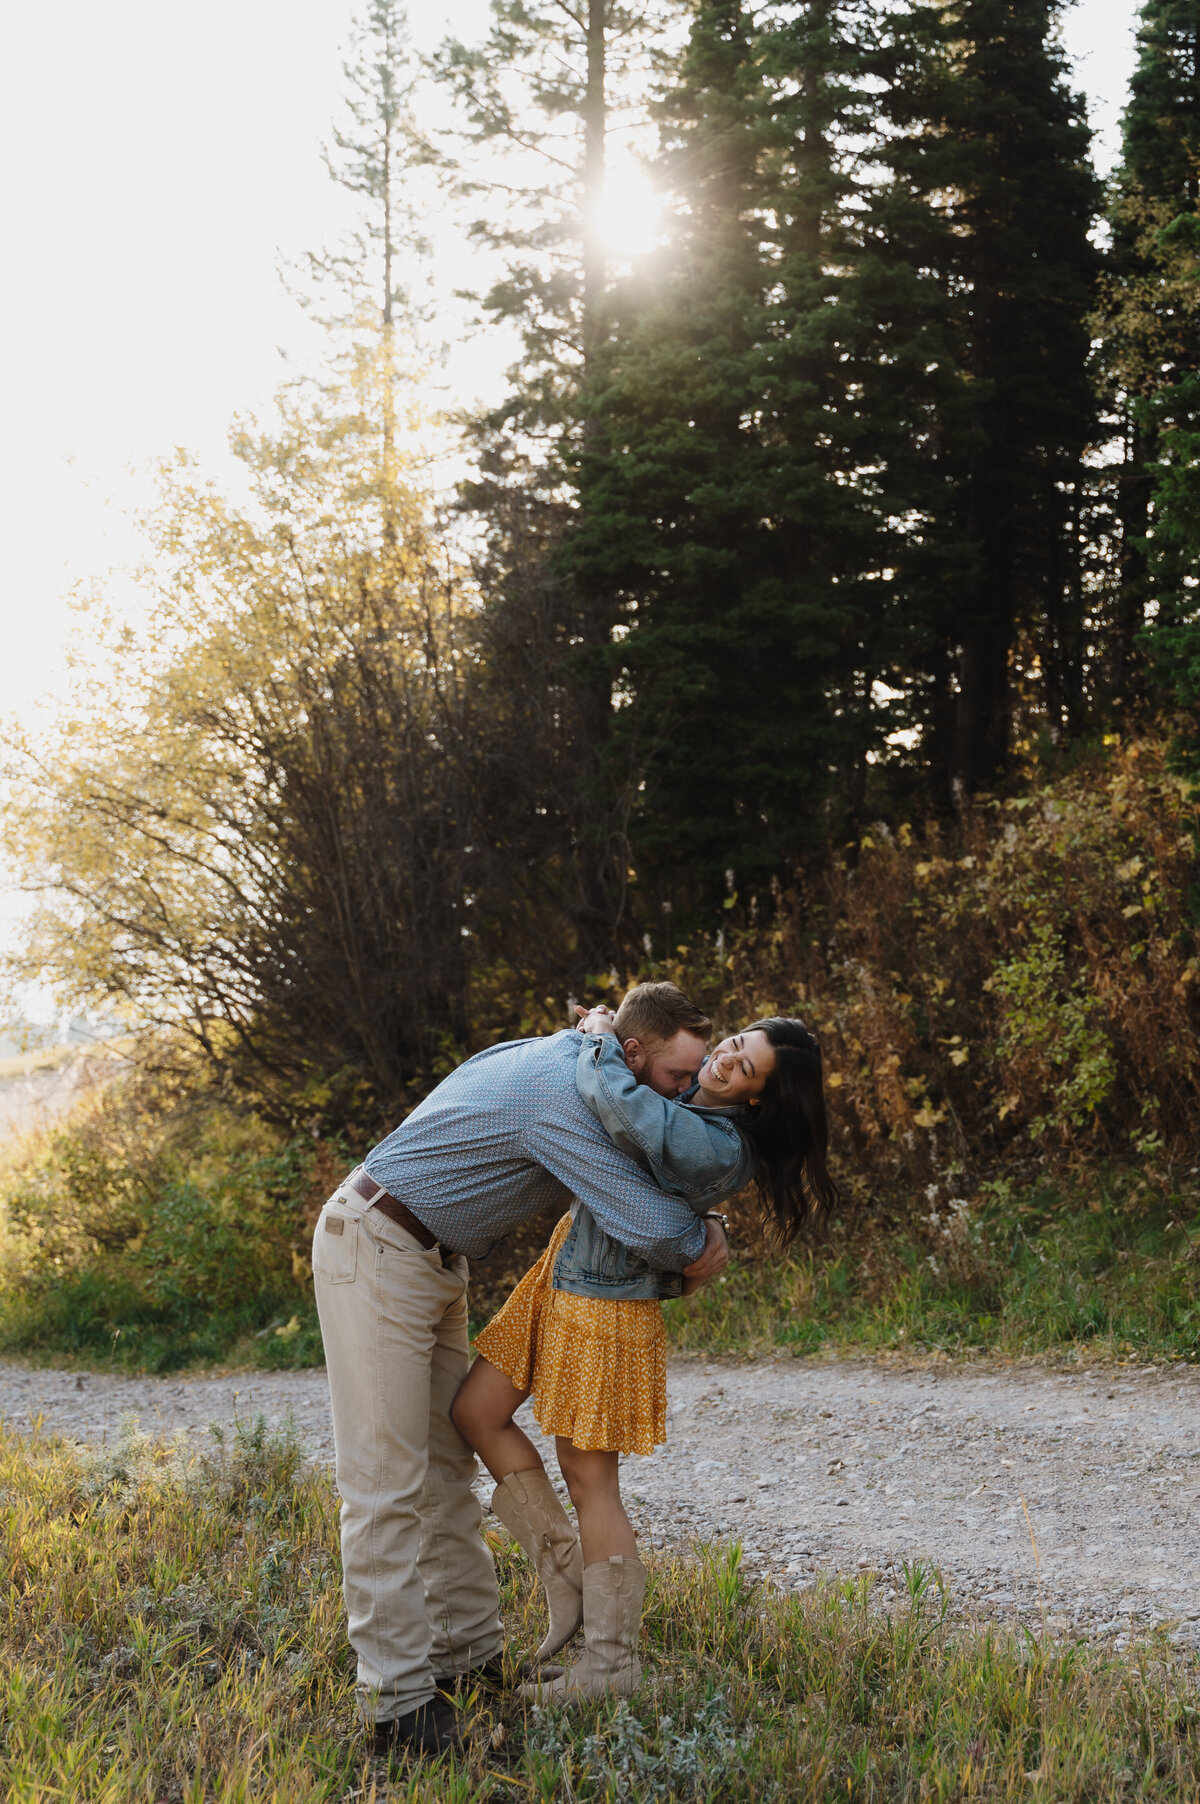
{"x": 960, "y": 1057}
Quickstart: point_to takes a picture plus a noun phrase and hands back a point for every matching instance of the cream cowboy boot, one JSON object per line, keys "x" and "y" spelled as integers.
{"x": 528, "y": 1506}
{"x": 614, "y": 1591}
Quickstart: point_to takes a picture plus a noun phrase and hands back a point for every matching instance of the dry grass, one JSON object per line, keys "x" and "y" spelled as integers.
{"x": 172, "y": 1631}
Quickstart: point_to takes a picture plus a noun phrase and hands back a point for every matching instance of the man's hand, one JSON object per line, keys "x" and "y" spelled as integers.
{"x": 598, "y": 1020}
{"x": 712, "y": 1260}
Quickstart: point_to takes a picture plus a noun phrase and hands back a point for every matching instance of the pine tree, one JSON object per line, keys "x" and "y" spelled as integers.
{"x": 987, "y": 220}
{"x": 368, "y": 292}
{"x": 714, "y": 510}
{"x": 538, "y": 98}
{"x": 827, "y": 437}
{"x": 1151, "y": 344}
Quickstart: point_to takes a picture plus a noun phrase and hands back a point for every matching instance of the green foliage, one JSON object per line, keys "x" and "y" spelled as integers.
{"x": 1175, "y": 653}
{"x": 171, "y": 1625}
{"x": 1103, "y": 1268}
{"x": 1160, "y": 128}
{"x": 220, "y": 848}
{"x": 714, "y": 507}
{"x": 981, "y": 236}
{"x": 1055, "y": 1018}
{"x": 1150, "y": 352}
{"x": 150, "y": 1234}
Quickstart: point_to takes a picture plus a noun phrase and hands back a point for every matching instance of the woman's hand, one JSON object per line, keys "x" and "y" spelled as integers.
{"x": 598, "y": 1020}
{"x": 712, "y": 1260}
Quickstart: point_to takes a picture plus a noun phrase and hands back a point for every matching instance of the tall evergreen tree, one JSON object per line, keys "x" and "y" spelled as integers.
{"x": 991, "y": 203}
{"x": 714, "y": 508}
{"x": 539, "y": 97}
{"x": 825, "y": 434}
{"x": 1150, "y": 347}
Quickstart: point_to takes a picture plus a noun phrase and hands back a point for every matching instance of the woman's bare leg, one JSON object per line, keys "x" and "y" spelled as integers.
{"x": 594, "y": 1481}
{"x": 483, "y": 1412}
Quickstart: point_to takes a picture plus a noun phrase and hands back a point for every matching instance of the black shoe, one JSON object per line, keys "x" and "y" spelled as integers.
{"x": 431, "y": 1728}
{"x": 490, "y": 1675}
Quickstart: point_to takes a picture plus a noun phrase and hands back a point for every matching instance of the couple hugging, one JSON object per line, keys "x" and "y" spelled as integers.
{"x": 630, "y": 1125}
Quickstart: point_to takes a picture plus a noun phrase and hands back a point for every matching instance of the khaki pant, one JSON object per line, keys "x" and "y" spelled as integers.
{"x": 419, "y": 1582}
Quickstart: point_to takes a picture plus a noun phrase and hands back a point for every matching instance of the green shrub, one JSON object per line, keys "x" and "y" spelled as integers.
{"x": 152, "y": 1235}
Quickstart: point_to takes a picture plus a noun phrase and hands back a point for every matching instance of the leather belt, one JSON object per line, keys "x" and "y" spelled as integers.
{"x": 394, "y": 1209}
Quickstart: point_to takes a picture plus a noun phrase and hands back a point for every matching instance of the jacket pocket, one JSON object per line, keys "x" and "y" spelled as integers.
{"x": 335, "y": 1247}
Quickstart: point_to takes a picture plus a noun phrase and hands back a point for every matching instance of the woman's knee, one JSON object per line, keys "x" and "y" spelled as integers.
{"x": 586, "y": 1473}
{"x": 462, "y": 1415}
{"x": 465, "y": 1409}
{"x": 486, "y": 1401}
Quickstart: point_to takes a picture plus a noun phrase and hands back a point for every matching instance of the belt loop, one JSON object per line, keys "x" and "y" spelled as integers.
{"x": 352, "y": 1199}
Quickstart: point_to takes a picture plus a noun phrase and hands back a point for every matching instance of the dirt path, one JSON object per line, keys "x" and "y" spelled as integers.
{"x": 818, "y": 1467}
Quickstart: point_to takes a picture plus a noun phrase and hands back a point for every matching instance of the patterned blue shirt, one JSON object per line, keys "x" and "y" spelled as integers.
{"x": 508, "y": 1135}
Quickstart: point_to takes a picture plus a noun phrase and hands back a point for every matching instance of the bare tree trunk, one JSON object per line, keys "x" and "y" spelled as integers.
{"x": 983, "y": 716}
{"x": 389, "y": 366}
{"x": 595, "y": 128}
{"x": 1133, "y": 508}
{"x": 602, "y": 886}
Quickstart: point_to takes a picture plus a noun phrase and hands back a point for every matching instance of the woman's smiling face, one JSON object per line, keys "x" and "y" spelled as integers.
{"x": 737, "y": 1069}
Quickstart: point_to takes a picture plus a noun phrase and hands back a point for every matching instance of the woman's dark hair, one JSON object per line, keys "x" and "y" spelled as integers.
{"x": 789, "y": 1132}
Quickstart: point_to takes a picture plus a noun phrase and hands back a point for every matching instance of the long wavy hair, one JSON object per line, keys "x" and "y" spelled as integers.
{"x": 789, "y": 1131}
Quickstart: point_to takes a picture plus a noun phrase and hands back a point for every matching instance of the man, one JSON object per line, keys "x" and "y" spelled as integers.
{"x": 506, "y": 1136}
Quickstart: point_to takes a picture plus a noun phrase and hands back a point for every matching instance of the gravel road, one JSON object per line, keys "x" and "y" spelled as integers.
{"x": 822, "y": 1467}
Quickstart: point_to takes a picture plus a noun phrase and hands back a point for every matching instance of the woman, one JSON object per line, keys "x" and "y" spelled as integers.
{"x": 583, "y": 1330}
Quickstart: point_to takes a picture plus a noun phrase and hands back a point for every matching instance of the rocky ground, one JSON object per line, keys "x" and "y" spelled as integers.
{"x": 819, "y": 1467}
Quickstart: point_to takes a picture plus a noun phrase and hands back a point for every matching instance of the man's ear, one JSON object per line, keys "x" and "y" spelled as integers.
{"x": 635, "y": 1056}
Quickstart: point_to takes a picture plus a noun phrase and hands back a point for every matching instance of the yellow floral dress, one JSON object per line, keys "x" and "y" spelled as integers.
{"x": 597, "y": 1366}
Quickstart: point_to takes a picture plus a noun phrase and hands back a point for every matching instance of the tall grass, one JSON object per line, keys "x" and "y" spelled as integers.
{"x": 1096, "y": 1269}
{"x": 171, "y": 1628}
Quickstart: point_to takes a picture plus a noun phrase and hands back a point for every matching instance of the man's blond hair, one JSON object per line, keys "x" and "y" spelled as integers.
{"x": 653, "y": 1013}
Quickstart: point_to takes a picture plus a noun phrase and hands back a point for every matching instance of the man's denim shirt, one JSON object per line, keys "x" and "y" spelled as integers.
{"x": 697, "y": 1154}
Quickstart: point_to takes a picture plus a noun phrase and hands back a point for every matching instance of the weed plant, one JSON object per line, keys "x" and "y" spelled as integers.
{"x": 172, "y": 1633}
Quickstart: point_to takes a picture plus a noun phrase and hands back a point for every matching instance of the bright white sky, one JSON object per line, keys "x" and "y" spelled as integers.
{"x": 157, "y": 158}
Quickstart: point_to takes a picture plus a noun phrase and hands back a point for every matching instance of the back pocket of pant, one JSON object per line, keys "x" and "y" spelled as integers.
{"x": 335, "y": 1247}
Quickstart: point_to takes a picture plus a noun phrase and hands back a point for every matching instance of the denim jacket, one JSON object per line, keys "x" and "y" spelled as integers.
{"x": 694, "y": 1153}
